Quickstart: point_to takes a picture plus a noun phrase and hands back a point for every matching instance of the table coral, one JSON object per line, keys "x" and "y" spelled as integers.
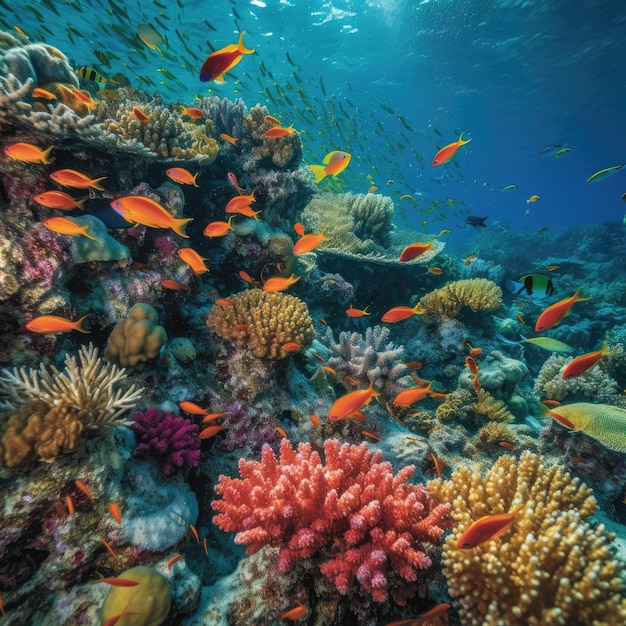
{"x": 137, "y": 338}
{"x": 477, "y": 294}
{"x": 54, "y": 406}
{"x": 263, "y": 322}
{"x": 553, "y": 566}
{"x": 365, "y": 525}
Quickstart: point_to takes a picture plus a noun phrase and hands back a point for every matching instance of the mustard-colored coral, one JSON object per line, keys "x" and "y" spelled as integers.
{"x": 263, "y": 322}
{"x": 50, "y": 408}
{"x": 491, "y": 408}
{"x": 491, "y": 434}
{"x": 137, "y": 338}
{"x": 552, "y": 566}
{"x": 455, "y": 406}
{"x": 477, "y": 294}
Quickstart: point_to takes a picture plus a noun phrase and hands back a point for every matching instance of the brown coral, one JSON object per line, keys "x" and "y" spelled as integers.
{"x": 551, "y": 567}
{"x": 263, "y": 322}
{"x": 137, "y": 338}
{"x": 477, "y": 294}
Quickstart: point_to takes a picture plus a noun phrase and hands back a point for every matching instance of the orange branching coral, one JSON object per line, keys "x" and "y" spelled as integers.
{"x": 263, "y": 322}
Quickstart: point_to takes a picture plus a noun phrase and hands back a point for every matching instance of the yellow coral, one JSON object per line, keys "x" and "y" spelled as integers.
{"x": 263, "y": 322}
{"x": 551, "y": 567}
{"x": 478, "y": 294}
{"x": 491, "y": 408}
{"x": 456, "y": 406}
{"x": 491, "y": 434}
{"x": 137, "y": 338}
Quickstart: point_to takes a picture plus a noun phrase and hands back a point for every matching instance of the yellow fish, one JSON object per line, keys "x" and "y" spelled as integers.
{"x": 532, "y": 199}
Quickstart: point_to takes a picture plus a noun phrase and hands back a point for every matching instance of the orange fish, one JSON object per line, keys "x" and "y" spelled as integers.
{"x": 351, "y": 403}
{"x": 228, "y": 138}
{"x": 223, "y": 60}
{"x": 84, "y": 97}
{"x": 369, "y": 435}
{"x": 281, "y": 432}
{"x": 357, "y": 312}
{"x": 350, "y": 380}
{"x": 174, "y": 285}
{"x": 234, "y": 182}
{"x": 55, "y": 324}
{"x": 551, "y": 402}
{"x": 277, "y": 132}
{"x": 239, "y": 201}
{"x": 194, "y": 532}
{"x": 192, "y": 112}
{"x": 485, "y": 529}
{"x": 173, "y": 560}
{"x": 583, "y": 363}
{"x": 116, "y": 618}
{"x": 247, "y": 278}
{"x": 140, "y": 115}
{"x": 507, "y": 445}
{"x": 447, "y": 152}
{"x": 436, "y": 271}
{"x": 520, "y": 319}
{"x": 194, "y": 260}
{"x": 293, "y": 613}
{"x": 439, "y": 464}
{"x": 299, "y": 228}
{"x": 278, "y": 283}
{"x": 224, "y": 302}
{"x": 59, "y": 200}
{"x": 552, "y": 268}
{"x": 323, "y": 321}
{"x": 182, "y": 176}
{"x": 476, "y": 351}
{"x": 148, "y": 212}
{"x": 218, "y": 228}
{"x": 334, "y": 163}
{"x": 67, "y": 226}
{"x": 269, "y": 119}
{"x": 38, "y": 92}
{"x": 107, "y": 545}
{"x": 28, "y": 153}
{"x": 476, "y": 382}
{"x": 556, "y": 312}
{"x": 210, "y": 431}
{"x": 309, "y": 242}
{"x": 211, "y": 417}
{"x": 470, "y": 258}
{"x": 291, "y": 346}
{"x": 81, "y": 485}
{"x": 329, "y": 370}
{"x": 205, "y": 546}
{"x": 415, "y": 250}
{"x": 119, "y": 582}
{"x": 440, "y": 609}
{"x": 246, "y": 211}
{"x": 70, "y": 505}
{"x": 314, "y": 420}
{"x": 372, "y": 189}
{"x": 414, "y": 365}
{"x": 77, "y": 180}
{"x": 412, "y": 395}
{"x": 471, "y": 365}
{"x": 399, "y": 313}
{"x": 315, "y": 355}
{"x": 115, "y": 512}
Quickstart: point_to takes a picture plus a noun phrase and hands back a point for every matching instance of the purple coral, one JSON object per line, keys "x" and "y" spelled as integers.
{"x": 169, "y": 439}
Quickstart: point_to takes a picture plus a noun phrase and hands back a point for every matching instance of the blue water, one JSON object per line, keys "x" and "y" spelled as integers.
{"x": 518, "y": 76}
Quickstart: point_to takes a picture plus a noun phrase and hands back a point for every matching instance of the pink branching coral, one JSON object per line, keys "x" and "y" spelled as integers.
{"x": 351, "y": 511}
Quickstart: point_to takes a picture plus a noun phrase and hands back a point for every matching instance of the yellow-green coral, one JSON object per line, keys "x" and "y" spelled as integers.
{"x": 491, "y": 434}
{"x": 263, "y": 322}
{"x": 552, "y": 566}
{"x": 477, "y": 294}
{"x": 491, "y": 408}
{"x": 455, "y": 406}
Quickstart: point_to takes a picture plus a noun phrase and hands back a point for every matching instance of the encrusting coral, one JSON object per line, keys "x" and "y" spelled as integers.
{"x": 552, "y": 566}
{"x": 477, "y": 294}
{"x": 364, "y": 524}
{"x": 51, "y": 407}
{"x": 263, "y": 322}
{"x": 137, "y": 338}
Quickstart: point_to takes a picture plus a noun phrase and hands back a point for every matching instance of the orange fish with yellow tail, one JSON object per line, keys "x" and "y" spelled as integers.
{"x": 218, "y": 228}
{"x": 399, "y": 313}
{"x": 556, "y": 312}
{"x": 447, "y": 152}
{"x": 223, "y": 60}
{"x": 182, "y": 176}
{"x": 28, "y": 153}
{"x": 194, "y": 260}
{"x": 148, "y": 212}
{"x": 55, "y": 324}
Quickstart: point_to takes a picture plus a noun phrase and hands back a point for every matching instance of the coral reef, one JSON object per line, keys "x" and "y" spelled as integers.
{"x": 369, "y": 526}
{"x": 137, "y": 338}
{"x": 263, "y": 322}
{"x": 553, "y": 566}
{"x": 491, "y": 408}
{"x": 477, "y": 294}
{"x": 53, "y": 407}
{"x": 169, "y": 439}
{"x": 369, "y": 358}
{"x": 456, "y": 406}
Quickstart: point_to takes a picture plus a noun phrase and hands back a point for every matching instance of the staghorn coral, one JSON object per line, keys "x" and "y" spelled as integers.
{"x": 366, "y": 526}
{"x": 53, "y": 407}
{"x": 595, "y": 383}
{"x": 368, "y": 358}
{"x": 477, "y": 294}
{"x": 137, "y": 338}
{"x": 263, "y": 322}
{"x": 553, "y": 566}
{"x": 165, "y": 134}
{"x": 486, "y": 406}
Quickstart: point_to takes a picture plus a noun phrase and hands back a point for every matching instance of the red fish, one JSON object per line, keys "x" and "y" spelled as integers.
{"x": 583, "y": 363}
{"x": 415, "y": 250}
{"x": 115, "y": 512}
{"x": 223, "y": 60}
{"x": 299, "y": 228}
{"x": 234, "y": 182}
{"x": 293, "y": 613}
{"x": 119, "y": 582}
{"x": 193, "y": 113}
{"x": 291, "y": 346}
{"x": 556, "y": 312}
{"x": 485, "y": 529}
{"x": 173, "y": 560}
{"x": 447, "y": 152}
{"x": 174, "y": 285}
{"x": 357, "y": 312}
{"x": 140, "y": 115}
{"x": 277, "y": 132}
{"x": 399, "y": 313}
{"x": 55, "y": 324}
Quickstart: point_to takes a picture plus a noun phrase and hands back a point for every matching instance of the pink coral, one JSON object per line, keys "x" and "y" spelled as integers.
{"x": 366, "y": 524}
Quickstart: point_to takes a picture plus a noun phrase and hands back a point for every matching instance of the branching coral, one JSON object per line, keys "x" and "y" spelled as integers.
{"x": 364, "y": 524}
{"x": 263, "y": 322}
{"x": 369, "y": 359}
{"x": 477, "y": 294}
{"x": 553, "y": 566}
{"x": 53, "y": 407}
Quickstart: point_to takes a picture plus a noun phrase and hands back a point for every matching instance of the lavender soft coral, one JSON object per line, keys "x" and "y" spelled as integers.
{"x": 169, "y": 439}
